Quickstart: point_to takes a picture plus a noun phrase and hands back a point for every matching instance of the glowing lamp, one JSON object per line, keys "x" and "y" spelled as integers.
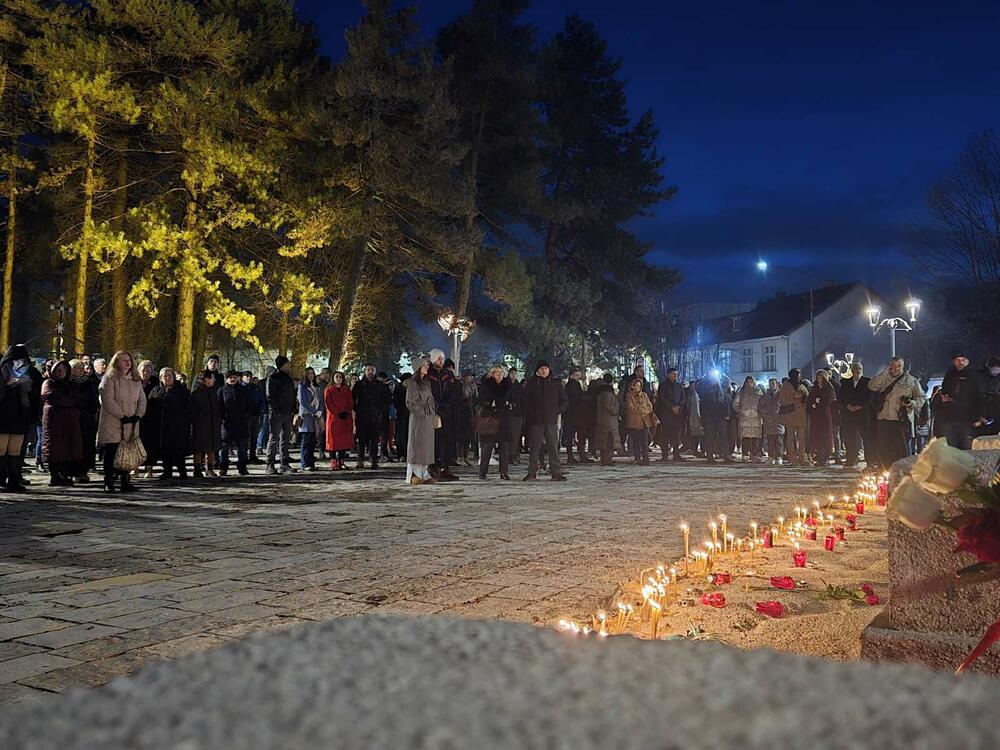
{"x": 913, "y": 307}
{"x": 874, "y": 313}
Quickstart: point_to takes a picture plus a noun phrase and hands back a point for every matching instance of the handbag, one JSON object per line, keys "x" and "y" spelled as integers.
{"x": 877, "y": 402}
{"x": 131, "y": 453}
{"x": 650, "y": 420}
{"x": 487, "y": 426}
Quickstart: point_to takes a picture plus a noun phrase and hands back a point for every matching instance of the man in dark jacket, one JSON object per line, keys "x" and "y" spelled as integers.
{"x": 855, "y": 417}
{"x": 669, "y": 407}
{"x": 991, "y": 396}
{"x": 371, "y": 407}
{"x": 235, "y": 398}
{"x": 516, "y": 415}
{"x": 960, "y": 405}
{"x": 442, "y": 382}
{"x": 255, "y": 406}
{"x": 281, "y": 408}
{"x": 714, "y": 395}
{"x": 574, "y": 420}
{"x": 542, "y": 401}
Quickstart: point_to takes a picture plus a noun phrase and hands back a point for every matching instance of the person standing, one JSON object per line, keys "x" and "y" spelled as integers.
{"x": 493, "y": 404}
{"x": 792, "y": 413}
{"x": 402, "y": 415}
{"x": 716, "y": 406}
{"x": 85, "y": 391}
{"x": 339, "y": 403}
{"x": 467, "y": 396}
{"x": 896, "y": 396}
{"x": 371, "y": 406}
{"x": 255, "y": 405}
{"x": 280, "y": 390}
{"x": 442, "y": 381}
{"x": 310, "y": 401}
{"x": 62, "y": 441}
{"x": 638, "y": 419}
{"x": 172, "y": 401}
{"x": 206, "y": 424}
{"x": 123, "y": 402}
{"x": 991, "y": 396}
{"x": 543, "y": 400}
{"x": 769, "y": 408}
{"x": 15, "y": 414}
{"x": 960, "y": 405}
{"x": 516, "y": 415}
{"x": 573, "y": 420}
{"x": 855, "y": 418}
{"x": 149, "y": 428}
{"x": 669, "y": 407}
{"x": 423, "y": 407}
{"x": 747, "y": 407}
{"x": 822, "y": 398}
{"x": 607, "y": 411}
{"x": 235, "y": 401}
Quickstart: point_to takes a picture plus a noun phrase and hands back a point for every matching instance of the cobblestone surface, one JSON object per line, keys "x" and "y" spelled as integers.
{"x": 93, "y": 586}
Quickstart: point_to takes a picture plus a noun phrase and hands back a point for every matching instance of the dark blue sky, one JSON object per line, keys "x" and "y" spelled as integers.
{"x": 806, "y": 133}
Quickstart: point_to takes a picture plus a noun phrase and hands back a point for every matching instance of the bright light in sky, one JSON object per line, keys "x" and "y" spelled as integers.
{"x": 762, "y": 266}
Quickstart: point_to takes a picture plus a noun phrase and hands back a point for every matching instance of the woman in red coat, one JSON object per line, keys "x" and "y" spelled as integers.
{"x": 821, "y": 399}
{"x": 339, "y": 421}
{"x": 62, "y": 438}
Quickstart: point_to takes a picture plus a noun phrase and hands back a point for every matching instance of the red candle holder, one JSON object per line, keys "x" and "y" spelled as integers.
{"x": 799, "y": 558}
{"x": 859, "y": 508}
{"x": 811, "y": 535}
{"x": 838, "y": 531}
{"x": 851, "y": 521}
{"x": 768, "y": 539}
{"x": 722, "y": 578}
{"x": 830, "y": 542}
{"x": 883, "y": 493}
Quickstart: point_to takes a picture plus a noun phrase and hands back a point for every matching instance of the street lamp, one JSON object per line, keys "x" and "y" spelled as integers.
{"x": 57, "y": 340}
{"x": 842, "y": 366}
{"x": 458, "y": 329}
{"x": 877, "y": 322}
{"x": 763, "y": 266}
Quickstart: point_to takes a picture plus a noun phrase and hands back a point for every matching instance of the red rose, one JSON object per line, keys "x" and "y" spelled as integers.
{"x": 771, "y": 609}
{"x": 721, "y": 578}
{"x": 981, "y": 537}
{"x": 871, "y": 599}
{"x": 716, "y": 600}
{"x": 867, "y": 588}
{"x": 811, "y": 521}
{"x": 783, "y": 582}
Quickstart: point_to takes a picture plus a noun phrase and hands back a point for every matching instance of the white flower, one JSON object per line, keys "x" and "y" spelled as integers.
{"x": 913, "y": 505}
{"x": 942, "y": 469}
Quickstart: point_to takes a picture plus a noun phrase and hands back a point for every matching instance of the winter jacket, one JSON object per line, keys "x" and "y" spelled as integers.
{"x": 441, "y": 382}
{"x": 311, "y": 407}
{"x": 62, "y": 438}
{"x": 968, "y": 400}
{"x": 206, "y": 419}
{"x": 371, "y": 407}
{"x": 768, "y": 408}
{"x": 150, "y": 426}
{"x": 576, "y": 412}
{"x": 256, "y": 402}
{"x": 235, "y": 401}
{"x": 493, "y": 403}
{"x": 796, "y": 397}
{"x": 747, "y": 406}
{"x": 638, "y": 409}
{"x": 15, "y": 398}
{"x": 174, "y": 406}
{"x": 714, "y": 397}
{"x": 423, "y": 407}
{"x": 514, "y": 397}
{"x": 339, "y": 405}
{"x": 280, "y": 392}
{"x": 854, "y": 393}
{"x": 906, "y": 386}
{"x": 608, "y": 409}
{"x": 120, "y": 397}
{"x": 543, "y": 400}
{"x": 670, "y": 395}
{"x": 822, "y": 399}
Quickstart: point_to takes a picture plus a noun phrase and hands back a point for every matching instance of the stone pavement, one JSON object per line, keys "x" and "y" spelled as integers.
{"x": 93, "y": 586}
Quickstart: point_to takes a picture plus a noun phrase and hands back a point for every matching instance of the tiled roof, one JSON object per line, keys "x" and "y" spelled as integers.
{"x": 780, "y": 315}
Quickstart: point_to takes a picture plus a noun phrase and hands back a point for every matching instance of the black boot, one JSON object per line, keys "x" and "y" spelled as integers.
{"x": 109, "y": 481}
{"x": 15, "y": 482}
{"x": 56, "y": 479}
{"x": 127, "y": 485}
{"x": 3, "y": 473}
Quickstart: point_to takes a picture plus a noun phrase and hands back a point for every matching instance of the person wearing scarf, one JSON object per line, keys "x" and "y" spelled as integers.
{"x": 15, "y": 414}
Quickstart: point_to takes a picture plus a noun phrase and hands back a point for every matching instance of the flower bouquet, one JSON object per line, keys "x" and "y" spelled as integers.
{"x": 941, "y": 471}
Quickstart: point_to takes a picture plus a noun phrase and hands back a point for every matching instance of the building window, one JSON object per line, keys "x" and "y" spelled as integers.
{"x": 770, "y": 357}
{"x": 725, "y": 358}
{"x": 747, "y": 359}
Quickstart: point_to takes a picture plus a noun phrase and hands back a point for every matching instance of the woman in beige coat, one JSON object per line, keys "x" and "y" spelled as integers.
{"x": 123, "y": 402}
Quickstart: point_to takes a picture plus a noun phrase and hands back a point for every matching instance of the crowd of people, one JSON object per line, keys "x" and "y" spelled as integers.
{"x": 73, "y": 415}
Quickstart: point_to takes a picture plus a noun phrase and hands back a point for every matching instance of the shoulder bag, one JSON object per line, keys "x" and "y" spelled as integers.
{"x": 131, "y": 453}
{"x": 879, "y": 397}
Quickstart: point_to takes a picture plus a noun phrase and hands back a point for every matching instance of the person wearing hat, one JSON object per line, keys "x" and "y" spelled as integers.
{"x": 442, "y": 382}
{"x": 542, "y": 401}
{"x": 281, "y": 408}
{"x": 960, "y": 406}
{"x": 423, "y": 418}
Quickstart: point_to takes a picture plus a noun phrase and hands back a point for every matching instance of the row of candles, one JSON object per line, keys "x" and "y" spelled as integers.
{"x": 659, "y": 585}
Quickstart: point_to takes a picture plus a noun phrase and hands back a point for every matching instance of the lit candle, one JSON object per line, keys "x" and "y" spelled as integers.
{"x": 655, "y": 618}
{"x": 722, "y": 520}
{"x": 715, "y": 532}
{"x": 781, "y": 524}
{"x": 799, "y": 557}
{"x": 753, "y": 526}
{"x": 687, "y": 546}
{"x": 730, "y": 542}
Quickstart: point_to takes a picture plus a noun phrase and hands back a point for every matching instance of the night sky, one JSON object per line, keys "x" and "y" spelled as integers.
{"x": 805, "y": 133}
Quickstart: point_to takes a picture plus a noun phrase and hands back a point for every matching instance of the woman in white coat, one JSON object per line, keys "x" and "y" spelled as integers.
{"x": 751, "y": 426}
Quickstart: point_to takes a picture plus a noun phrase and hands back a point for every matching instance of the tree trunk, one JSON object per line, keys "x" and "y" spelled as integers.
{"x": 183, "y": 343}
{"x": 345, "y": 309}
{"x": 119, "y": 274}
{"x": 80, "y": 314}
{"x": 8, "y": 266}
{"x": 300, "y": 354}
{"x": 465, "y": 279}
{"x": 283, "y": 334}
{"x": 200, "y": 337}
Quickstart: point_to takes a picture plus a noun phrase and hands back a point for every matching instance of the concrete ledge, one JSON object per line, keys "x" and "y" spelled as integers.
{"x": 378, "y": 682}
{"x": 939, "y": 651}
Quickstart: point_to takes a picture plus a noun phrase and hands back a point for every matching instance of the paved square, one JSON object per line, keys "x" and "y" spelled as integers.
{"x": 93, "y": 586}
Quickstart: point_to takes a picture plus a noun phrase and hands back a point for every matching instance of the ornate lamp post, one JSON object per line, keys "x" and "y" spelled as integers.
{"x": 877, "y": 322}
{"x": 458, "y": 329}
{"x": 57, "y": 340}
{"x": 842, "y": 366}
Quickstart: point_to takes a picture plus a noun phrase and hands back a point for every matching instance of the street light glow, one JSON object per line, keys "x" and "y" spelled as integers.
{"x": 913, "y": 305}
{"x": 874, "y": 313}
{"x": 762, "y": 266}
